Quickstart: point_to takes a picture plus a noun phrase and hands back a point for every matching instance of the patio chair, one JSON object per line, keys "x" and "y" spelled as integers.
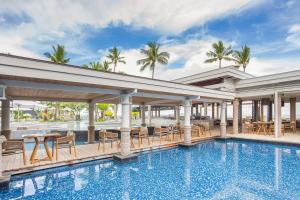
{"x": 143, "y": 133}
{"x": 65, "y": 141}
{"x": 249, "y": 127}
{"x": 206, "y": 128}
{"x": 196, "y": 130}
{"x": 293, "y": 126}
{"x": 161, "y": 132}
{"x": 13, "y": 146}
{"x": 108, "y": 136}
{"x": 178, "y": 130}
{"x": 272, "y": 129}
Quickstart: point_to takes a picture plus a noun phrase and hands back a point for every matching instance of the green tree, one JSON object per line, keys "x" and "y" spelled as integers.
{"x": 242, "y": 58}
{"x": 115, "y": 57}
{"x": 153, "y": 55}
{"x": 94, "y": 65}
{"x": 76, "y": 108}
{"x": 102, "y": 107}
{"x": 105, "y": 66}
{"x": 218, "y": 53}
{"x": 58, "y": 55}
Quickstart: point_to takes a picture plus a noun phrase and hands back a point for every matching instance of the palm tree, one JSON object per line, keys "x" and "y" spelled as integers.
{"x": 242, "y": 58}
{"x": 105, "y": 66}
{"x": 58, "y": 55}
{"x": 115, "y": 58}
{"x": 219, "y": 53}
{"x": 94, "y": 65}
{"x": 152, "y": 56}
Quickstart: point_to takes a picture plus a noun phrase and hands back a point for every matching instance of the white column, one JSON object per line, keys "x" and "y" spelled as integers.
{"x": 91, "y": 127}
{"x": 187, "y": 121}
{"x": 125, "y": 127}
{"x": 5, "y": 119}
{"x": 205, "y": 109}
{"x": 235, "y": 116}
{"x": 116, "y": 111}
{"x": 149, "y": 115}
{"x": 2, "y": 139}
{"x": 293, "y": 109}
{"x": 277, "y": 114}
{"x": 177, "y": 108}
{"x": 223, "y": 119}
{"x": 143, "y": 117}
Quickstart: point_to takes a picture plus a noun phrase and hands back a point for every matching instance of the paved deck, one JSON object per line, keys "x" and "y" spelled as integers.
{"x": 13, "y": 164}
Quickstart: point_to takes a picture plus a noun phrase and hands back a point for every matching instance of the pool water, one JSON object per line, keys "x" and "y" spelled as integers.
{"x": 212, "y": 170}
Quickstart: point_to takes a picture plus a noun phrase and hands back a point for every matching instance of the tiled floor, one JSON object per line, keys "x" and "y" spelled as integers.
{"x": 14, "y": 163}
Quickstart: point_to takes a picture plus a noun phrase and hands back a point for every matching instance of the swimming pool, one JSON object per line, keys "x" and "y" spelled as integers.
{"x": 212, "y": 170}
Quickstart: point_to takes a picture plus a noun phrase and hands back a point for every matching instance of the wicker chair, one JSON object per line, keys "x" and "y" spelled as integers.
{"x": 13, "y": 146}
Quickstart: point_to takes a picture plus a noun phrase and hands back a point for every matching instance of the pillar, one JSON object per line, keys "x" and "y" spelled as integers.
{"x": 2, "y": 139}
{"x": 5, "y": 119}
{"x": 143, "y": 117}
{"x": 177, "y": 114}
{"x": 270, "y": 111}
{"x": 213, "y": 111}
{"x": 192, "y": 110}
{"x": 200, "y": 109}
{"x": 125, "y": 127}
{"x": 240, "y": 112}
{"x": 255, "y": 113}
{"x": 91, "y": 127}
{"x": 223, "y": 119}
{"x": 116, "y": 111}
{"x": 293, "y": 109}
{"x": 197, "y": 109}
{"x": 277, "y": 114}
{"x": 262, "y": 111}
{"x": 149, "y": 115}
{"x": 218, "y": 108}
{"x": 205, "y": 109}
{"x": 235, "y": 116}
{"x": 187, "y": 121}
{"x": 158, "y": 111}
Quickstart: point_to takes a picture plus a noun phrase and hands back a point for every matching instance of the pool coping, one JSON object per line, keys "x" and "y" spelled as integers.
{"x": 100, "y": 157}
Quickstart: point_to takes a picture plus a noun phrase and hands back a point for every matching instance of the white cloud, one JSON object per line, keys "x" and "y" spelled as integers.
{"x": 294, "y": 35}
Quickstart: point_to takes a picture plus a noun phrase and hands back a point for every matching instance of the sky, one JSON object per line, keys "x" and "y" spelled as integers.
{"x": 184, "y": 28}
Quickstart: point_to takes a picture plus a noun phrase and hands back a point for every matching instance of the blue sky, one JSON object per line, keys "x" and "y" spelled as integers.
{"x": 186, "y": 29}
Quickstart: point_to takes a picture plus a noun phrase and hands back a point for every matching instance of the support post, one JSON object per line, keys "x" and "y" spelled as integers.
{"x": 2, "y": 139}
{"x": 205, "y": 109}
{"x": 177, "y": 114}
{"x": 143, "y": 117}
{"x": 218, "y": 111}
{"x": 293, "y": 109}
{"x": 223, "y": 119}
{"x": 5, "y": 119}
{"x": 240, "y": 112}
{"x": 235, "y": 116}
{"x": 149, "y": 115}
{"x": 270, "y": 111}
{"x": 187, "y": 121}
{"x": 125, "y": 127}
{"x": 277, "y": 114}
{"x": 213, "y": 111}
{"x": 91, "y": 127}
{"x": 116, "y": 112}
{"x": 197, "y": 109}
{"x": 158, "y": 111}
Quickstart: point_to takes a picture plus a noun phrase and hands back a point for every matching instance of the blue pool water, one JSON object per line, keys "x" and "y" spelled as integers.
{"x": 211, "y": 170}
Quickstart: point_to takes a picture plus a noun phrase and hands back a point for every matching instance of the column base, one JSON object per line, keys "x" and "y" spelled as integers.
{"x": 187, "y": 134}
{"x": 125, "y": 142}
{"x": 187, "y": 145}
{"x": 6, "y": 133}
{"x": 4, "y": 182}
{"x": 127, "y": 158}
{"x": 223, "y": 130}
{"x": 91, "y": 134}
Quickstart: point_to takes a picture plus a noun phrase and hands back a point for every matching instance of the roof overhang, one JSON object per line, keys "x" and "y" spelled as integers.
{"x": 31, "y": 79}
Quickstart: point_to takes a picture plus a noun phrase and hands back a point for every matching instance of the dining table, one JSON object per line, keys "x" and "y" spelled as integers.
{"x": 41, "y": 139}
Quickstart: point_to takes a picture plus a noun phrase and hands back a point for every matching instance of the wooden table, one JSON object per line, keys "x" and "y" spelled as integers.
{"x": 41, "y": 139}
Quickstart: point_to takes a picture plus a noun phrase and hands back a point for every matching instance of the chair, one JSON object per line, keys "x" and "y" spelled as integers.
{"x": 108, "y": 136}
{"x": 178, "y": 130}
{"x": 272, "y": 129}
{"x": 293, "y": 126}
{"x": 206, "y": 128}
{"x": 160, "y": 132}
{"x": 68, "y": 140}
{"x": 196, "y": 130}
{"x": 13, "y": 146}
{"x": 249, "y": 126}
{"x": 143, "y": 133}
